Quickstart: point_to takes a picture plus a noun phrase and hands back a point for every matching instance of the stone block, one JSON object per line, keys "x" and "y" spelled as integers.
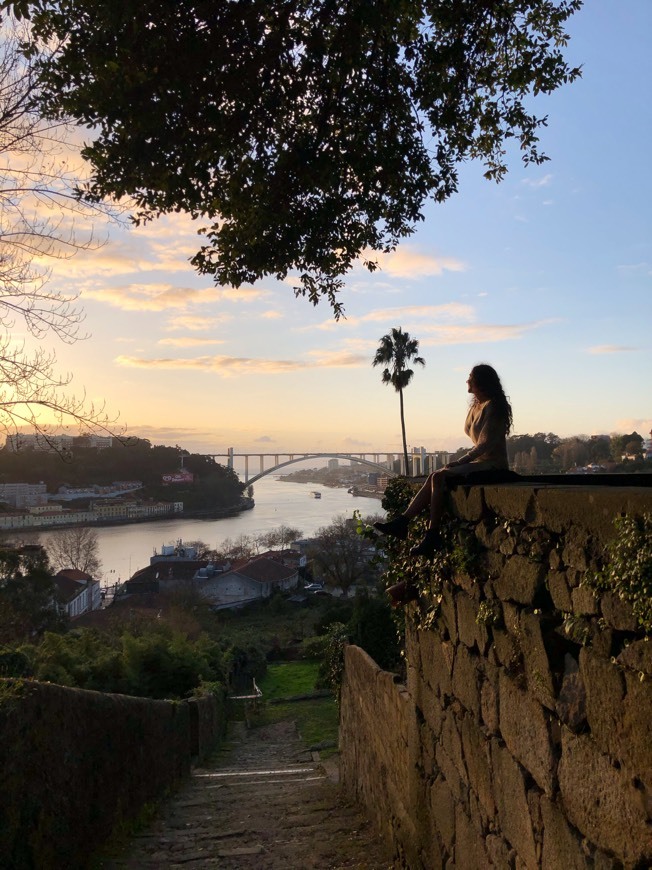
{"x": 468, "y": 502}
{"x": 554, "y": 559}
{"x": 470, "y": 632}
{"x": 483, "y": 532}
{"x": 575, "y": 552}
{"x": 602, "y": 803}
{"x": 442, "y": 808}
{"x": 477, "y": 759}
{"x": 584, "y": 601}
{"x": 432, "y": 712}
{"x": 525, "y": 730}
{"x": 466, "y": 680}
{"x": 514, "y": 502}
{"x": 559, "y": 591}
{"x": 562, "y": 846}
{"x": 489, "y": 699}
{"x": 637, "y": 656}
{"x": 508, "y": 652}
{"x": 520, "y": 580}
{"x": 436, "y": 659}
{"x": 451, "y": 738}
{"x": 616, "y": 613}
{"x": 491, "y": 563}
{"x": 605, "y": 690}
{"x": 499, "y": 853}
{"x": 448, "y": 612}
{"x": 633, "y": 738}
{"x": 511, "y": 799}
{"x": 535, "y": 659}
{"x": 571, "y": 704}
{"x": 470, "y": 852}
{"x": 455, "y": 783}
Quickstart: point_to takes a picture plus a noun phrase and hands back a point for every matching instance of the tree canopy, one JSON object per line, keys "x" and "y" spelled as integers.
{"x": 304, "y": 134}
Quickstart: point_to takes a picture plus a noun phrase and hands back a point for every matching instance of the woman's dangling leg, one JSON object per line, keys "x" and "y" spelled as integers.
{"x": 398, "y": 527}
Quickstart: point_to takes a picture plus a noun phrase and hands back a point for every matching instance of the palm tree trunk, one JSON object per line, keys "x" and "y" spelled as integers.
{"x": 405, "y": 453}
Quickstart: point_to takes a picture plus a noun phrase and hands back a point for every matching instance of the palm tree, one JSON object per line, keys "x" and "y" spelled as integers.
{"x": 397, "y": 351}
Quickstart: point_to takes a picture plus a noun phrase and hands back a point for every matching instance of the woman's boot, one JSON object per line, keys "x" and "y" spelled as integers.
{"x": 397, "y": 528}
{"x": 401, "y": 593}
{"x": 429, "y": 545}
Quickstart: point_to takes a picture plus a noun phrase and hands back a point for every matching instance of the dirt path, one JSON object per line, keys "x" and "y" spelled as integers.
{"x": 264, "y": 802}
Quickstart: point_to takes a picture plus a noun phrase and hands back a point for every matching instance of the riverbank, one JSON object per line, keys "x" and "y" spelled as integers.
{"x": 245, "y": 504}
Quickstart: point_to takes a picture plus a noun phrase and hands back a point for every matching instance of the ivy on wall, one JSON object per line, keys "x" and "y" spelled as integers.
{"x": 627, "y": 570}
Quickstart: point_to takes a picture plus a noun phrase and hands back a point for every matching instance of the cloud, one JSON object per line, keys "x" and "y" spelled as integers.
{"x": 544, "y": 181}
{"x": 271, "y": 315}
{"x": 195, "y": 322}
{"x": 407, "y": 262}
{"x": 631, "y": 424}
{"x": 227, "y": 366}
{"x": 264, "y": 439}
{"x": 337, "y": 359}
{"x": 480, "y": 333}
{"x": 354, "y": 442}
{"x": 163, "y": 296}
{"x": 189, "y": 341}
{"x": 446, "y": 311}
{"x": 635, "y": 268}
{"x": 610, "y": 348}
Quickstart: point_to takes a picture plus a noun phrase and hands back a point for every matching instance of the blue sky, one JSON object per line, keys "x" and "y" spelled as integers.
{"x": 547, "y": 276}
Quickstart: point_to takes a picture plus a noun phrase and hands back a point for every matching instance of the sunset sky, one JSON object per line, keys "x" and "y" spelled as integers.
{"x": 547, "y": 276}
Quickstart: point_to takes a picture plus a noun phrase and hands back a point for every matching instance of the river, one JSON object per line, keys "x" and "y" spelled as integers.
{"x": 125, "y": 549}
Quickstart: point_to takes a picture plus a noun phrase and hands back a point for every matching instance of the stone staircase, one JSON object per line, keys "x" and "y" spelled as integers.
{"x": 264, "y": 802}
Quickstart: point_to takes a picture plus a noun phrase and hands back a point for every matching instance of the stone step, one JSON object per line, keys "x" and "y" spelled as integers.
{"x": 264, "y": 803}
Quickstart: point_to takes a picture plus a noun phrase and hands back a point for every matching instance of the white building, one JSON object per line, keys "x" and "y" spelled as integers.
{"x": 258, "y": 578}
{"x": 23, "y": 495}
{"x": 38, "y": 441}
{"x": 78, "y": 592}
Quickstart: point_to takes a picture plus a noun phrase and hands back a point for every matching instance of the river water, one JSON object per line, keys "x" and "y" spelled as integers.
{"x": 125, "y": 549}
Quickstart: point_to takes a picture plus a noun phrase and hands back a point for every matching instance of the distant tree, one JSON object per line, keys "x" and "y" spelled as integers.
{"x": 633, "y": 445}
{"x": 570, "y": 453}
{"x": 282, "y": 536}
{"x": 599, "y": 449}
{"x": 305, "y": 135}
{"x": 76, "y": 547}
{"x": 28, "y": 596}
{"x": 397, "y": 351}
{"x": 339, "y": 555}
{"x": 234, "y": 549}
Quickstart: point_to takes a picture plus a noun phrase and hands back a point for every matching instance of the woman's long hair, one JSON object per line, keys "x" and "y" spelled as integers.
{"x": 488, "y": 383}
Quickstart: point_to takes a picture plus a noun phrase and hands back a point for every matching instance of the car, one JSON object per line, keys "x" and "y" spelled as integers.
{"x": 314, "y": 587}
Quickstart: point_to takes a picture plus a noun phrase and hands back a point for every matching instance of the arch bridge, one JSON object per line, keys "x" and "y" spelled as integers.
{"x": 378, "y": 460}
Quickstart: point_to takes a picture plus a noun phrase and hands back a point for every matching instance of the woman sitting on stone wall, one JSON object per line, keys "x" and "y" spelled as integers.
{"x": 487, "y": 424}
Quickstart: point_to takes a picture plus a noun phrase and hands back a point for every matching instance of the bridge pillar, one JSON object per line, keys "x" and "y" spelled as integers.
{"x": 229, "y": 458}
{"x": 246, "y": 459}
{"x": 262, "y": 463}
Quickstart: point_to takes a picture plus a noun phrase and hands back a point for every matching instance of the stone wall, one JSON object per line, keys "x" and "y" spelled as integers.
{"x": 523, "y": 738}
{"x": 75, "y": 765}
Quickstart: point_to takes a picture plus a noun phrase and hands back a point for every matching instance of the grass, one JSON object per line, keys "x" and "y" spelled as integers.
{"x": 283, "y": 680}
{"x": 317, "y": 719}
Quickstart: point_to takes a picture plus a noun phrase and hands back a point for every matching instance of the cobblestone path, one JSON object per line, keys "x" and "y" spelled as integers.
{"x": 264, "y": 802}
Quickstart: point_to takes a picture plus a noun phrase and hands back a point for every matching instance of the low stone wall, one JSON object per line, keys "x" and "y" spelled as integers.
{"x": 523, "y": 738}
{"x": 75, "y": 764}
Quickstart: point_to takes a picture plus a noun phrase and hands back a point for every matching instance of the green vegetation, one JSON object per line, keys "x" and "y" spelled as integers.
{"x": 627, "y": 572}
{"x": 305, "y": 136}
{"x": 132, "y": 459}
{"x": 317, "y": 719}
{"x": 286, "y": 679}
